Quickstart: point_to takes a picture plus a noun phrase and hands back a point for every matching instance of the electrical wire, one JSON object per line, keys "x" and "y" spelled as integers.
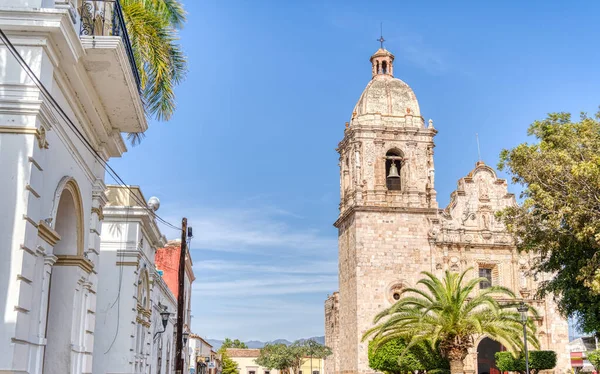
{"x": 108, "y": 169}
{"x": 121, "y": 265}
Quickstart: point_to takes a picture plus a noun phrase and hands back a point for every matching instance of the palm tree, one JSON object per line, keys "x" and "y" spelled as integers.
{"x": 452, "y": 314}
{"x": 152, "y": 28}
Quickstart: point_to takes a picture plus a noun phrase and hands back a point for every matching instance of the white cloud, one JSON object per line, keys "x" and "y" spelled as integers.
{"x": 300, "y": 267}
{"x": 269, "y": 285}
{"x": 255, "y": 230}
{"x": 254, "y": 268}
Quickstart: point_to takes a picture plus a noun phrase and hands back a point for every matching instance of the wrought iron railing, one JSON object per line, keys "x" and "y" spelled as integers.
{"x": 105, "y": 18}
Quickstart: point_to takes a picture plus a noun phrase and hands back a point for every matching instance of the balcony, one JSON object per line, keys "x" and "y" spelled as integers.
{"x": 110, "y": 63}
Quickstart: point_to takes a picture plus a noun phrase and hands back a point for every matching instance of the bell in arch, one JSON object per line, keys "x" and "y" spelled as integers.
{"x": 393, "y": 171}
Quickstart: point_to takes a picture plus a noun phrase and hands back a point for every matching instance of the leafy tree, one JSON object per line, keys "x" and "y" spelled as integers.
{"x": 228, "y": 343}
{"x": 538, "y": 360}
{"x": 392, "y": 357}
{"x": 594, "y": 358}
{"x": 449, "y": 312}
{"x": 152, "y": 27}
{"x": 276, "y": 356}
{"x": 229, "y": 365}
{"x": 559, "y": 220}
{"x": 290, "y": 358}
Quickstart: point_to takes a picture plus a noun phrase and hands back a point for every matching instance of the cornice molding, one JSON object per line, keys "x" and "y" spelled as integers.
{"x": 47, "y": 234}
{"x": 79, "y": 261}
{"x": 381, "y": 209}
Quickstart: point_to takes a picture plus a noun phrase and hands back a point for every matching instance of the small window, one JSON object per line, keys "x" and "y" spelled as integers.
{"x": 251, "y": 372}
{"x": 315, "y": 372}
{"x": 396, "y": 296}
{"x": 485, "y": 273}
{"x": 267, "y": 372}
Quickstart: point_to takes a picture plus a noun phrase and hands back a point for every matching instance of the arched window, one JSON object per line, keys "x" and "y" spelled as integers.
{"x": 393, "y": 165}
{"x": 378, "y": 71}
{"x": 384, "y": 67}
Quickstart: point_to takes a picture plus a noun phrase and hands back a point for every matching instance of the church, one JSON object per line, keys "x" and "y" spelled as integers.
{"x": 390, "y": 227}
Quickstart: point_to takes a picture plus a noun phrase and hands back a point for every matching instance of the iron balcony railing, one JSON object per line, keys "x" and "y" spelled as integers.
{"x": 105, "y": 18}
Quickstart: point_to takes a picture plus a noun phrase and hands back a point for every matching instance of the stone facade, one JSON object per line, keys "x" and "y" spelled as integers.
{"x": 390, "y": 229}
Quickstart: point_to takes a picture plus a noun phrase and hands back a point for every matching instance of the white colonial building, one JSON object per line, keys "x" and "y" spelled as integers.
{"x": 131, "y": 295}
{"x": 52, "y": 183}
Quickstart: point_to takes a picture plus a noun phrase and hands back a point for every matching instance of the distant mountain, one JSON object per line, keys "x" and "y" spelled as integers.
{"x": 216, "y": 343}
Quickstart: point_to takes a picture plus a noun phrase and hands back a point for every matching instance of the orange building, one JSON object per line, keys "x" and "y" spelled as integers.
{"x": 166, "y": 261}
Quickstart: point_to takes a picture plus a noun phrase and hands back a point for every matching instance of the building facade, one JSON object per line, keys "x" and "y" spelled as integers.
{"x": 53, "y": 182}
{"x": 163, "y": 339}
{"x": 390, "y": 227}
{"x": 127, "y": 306}
{"x": 245, "y": 359}
{"x": 167, "y": 263}
{"x": 200, "y": 352}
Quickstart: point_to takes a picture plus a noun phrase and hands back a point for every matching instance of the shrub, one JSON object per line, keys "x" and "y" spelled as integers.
{"x": 538, "y": 360}
{"x": 389, "y": 359}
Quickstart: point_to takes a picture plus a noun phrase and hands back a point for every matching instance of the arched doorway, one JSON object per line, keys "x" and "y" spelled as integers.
{"x": 66, "y": 302}
{"x": 486, "y": 351}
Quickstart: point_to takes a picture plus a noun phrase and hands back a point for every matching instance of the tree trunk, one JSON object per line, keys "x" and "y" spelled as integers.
{"x": 456, "y": 367}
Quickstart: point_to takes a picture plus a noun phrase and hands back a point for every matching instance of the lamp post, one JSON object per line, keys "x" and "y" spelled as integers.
{"x": 523, "y": 309}
{"x": 164, "y": 316}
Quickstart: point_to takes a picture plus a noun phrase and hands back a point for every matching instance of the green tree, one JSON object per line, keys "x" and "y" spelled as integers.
{"x": 450, "y": 312}
{"x": 228, "y": 343}
{"x": 559, "y": 220}
{"x": 229, "y": 365}
{"x": 391, "y": 357}
{"x": 538, "y": 360}
{"x": 276, "y": 356}
{"x": 152, "y": 26}
{"x": 594, "y": 358}
{"x": 290, "y": 358}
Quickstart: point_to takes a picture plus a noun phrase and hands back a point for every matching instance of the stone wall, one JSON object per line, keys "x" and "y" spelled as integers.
{"x": 332, "y": 321}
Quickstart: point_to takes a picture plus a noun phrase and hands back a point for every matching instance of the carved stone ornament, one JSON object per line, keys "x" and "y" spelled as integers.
{"x": 41, "y": 138}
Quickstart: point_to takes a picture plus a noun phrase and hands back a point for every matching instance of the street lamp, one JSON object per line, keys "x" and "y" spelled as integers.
{"x": 164, "y": 316}
{"x": 185, "y": 337}
{"x": 523, "y": 309}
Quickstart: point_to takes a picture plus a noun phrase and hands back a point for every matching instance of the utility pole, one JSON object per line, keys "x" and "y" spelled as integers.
{"x": 180, "y": 360}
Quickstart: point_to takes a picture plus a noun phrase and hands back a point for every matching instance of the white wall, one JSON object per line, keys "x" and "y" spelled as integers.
{"x": 34, "y": 169}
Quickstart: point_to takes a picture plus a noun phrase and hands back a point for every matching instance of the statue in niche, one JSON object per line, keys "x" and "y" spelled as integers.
{"x": 523, "y": 278}
{"x": 483, "y": 189}
{"x": 431, "y": 177}
{"x": 357, "y": 156}
{"x": 485, "y": 221}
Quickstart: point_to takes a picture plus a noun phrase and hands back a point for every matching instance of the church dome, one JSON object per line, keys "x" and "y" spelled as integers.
{"x": 385, "y": 94}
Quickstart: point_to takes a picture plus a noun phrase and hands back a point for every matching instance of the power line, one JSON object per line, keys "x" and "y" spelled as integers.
{"x": 107, "y": 168}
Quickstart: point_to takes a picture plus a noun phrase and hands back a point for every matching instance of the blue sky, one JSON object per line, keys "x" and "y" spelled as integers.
{"x": 250, "y": 158}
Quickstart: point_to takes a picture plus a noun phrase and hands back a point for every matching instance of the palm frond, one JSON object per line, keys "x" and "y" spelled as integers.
{"x": 452, "y": 311}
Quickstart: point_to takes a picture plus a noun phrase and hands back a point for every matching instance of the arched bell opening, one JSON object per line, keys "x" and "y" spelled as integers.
{"x": 66, "y": 307}
{"x": 384, "y": 67}
{"x": 393, "y": 165}
{"x": 486, "y": 352}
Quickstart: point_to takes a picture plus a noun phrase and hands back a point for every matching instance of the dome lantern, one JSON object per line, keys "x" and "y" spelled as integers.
{"x": 382, "y": 63}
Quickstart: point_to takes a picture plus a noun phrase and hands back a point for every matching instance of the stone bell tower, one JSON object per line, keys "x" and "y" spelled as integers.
{"x": 387, "y": 202}
{"x": 390, "y": 228}
{"x": 386, "y": 156}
